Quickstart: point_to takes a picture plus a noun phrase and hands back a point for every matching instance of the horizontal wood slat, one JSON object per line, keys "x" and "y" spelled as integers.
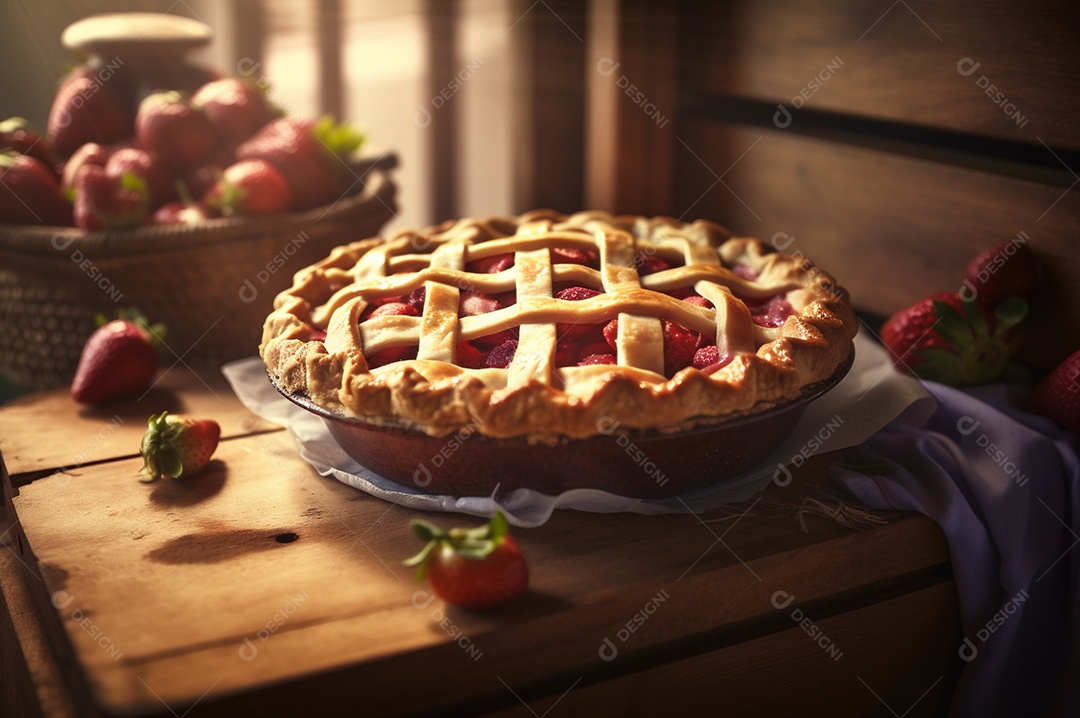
{"x": 999, "y": 70}
{"x": 835, "y": 671}
{"x": 891, "y": 228}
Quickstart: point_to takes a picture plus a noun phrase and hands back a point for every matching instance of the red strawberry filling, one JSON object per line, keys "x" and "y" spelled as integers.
{"x": 578, "y": 344}
{"x": 391, "y": 355}
{"x": 501, "y": 356}
{"x": 745, "y": 272}
{"x": 575, "y": 332}
{"x": 771, "y": 312}
{"x": 491, "y": 265}
{"x": 586, "y": 257}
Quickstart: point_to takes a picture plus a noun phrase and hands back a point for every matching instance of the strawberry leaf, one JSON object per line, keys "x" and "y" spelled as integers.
{"x": 951, "y": 326}
{"x": 1010, "y": 313}
{"x": 939, "y": 365}
{"x": 343, "y": 140}
{"x": 13, "y": 124}
{"x": 426, "y": 531}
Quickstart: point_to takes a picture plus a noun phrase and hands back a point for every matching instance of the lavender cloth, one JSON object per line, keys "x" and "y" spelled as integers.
{"x": 1004, "y": 486}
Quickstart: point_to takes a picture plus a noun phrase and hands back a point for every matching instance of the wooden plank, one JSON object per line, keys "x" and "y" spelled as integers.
{"x": 632, "y": 107}
{"x": 33, "y": 683}
{"x": 833, "y": 672}
{"x": 192, "y": 578}
{"x": 440, "y": 25}
{"x": 47, "y": 431}
{"x": 1002, "y": 71}
{"x": 549, "y": 104}
{"x": 329, "y": 32}
{"x": 892, "y": 229}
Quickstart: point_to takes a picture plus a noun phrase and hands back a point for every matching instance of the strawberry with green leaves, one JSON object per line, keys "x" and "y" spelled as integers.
{"x": 477, "y": 569}
{"x": 119, "y": 359}
{"x": 311, "y": 155}
{"x": 944, "y": 338}
{"x": 105, "y": 201}
{"x": 250, "y": 187}
{"x": 177, "y": 446}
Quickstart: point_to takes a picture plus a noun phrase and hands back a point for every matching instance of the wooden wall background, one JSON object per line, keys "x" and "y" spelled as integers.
{"x": 893, "y": 169}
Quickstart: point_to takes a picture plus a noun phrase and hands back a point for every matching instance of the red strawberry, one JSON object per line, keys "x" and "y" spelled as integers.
{"x": 179, "y": 133}
{"x": 235, "y": 108}
{"x": 650, "y": 264}
{"x": 706, "y": 356}
{"x": 177, "y": 446}
{"x": 491, "y": 265}
{"x": 146, "y": 166}
{"x": 1006, "y": 270}
{"x": 601, "y": 358}
{"x": 698, "y": 301}
{"x": 415, "y": 299}
{"x": 501, "y": 356}
{"x": 89, "y": 154}
{"x": 491, "y": 341}
{"x": 566, "y": 354}
{"x": 469, "y": 356}
{"x": 771, "y": 312}
{"x": 391, "y": 355}
{"x": 29, "y": 192}
{"x": 391, "y": 309}
{"x": 250, "y": 187}
{"x": 311, "y": 155}
{"x": 476, "y": 569}
{"x": 85, "y": 110}
{"x": 1057, "y": 395}
{"x": 107, "y": 202}
{"x": 567, "y": 331}
{"x": 15, "y": 135}
{"x": 569, "y": 255}
{"x": 943, "y": 338}
{"x": 680, "y": 345}
{"x": 611, "y": 334}
{"x": 118, "y": 360}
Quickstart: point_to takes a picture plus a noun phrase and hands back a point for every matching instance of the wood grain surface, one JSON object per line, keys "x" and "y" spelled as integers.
{"x": 263, "y": 586}
{"x": 47, "y": 431}
{"x": 891, "y": 228}
{"x": 998, "y": 70}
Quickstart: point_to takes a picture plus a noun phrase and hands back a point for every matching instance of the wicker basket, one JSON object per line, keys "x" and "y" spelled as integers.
{"x": 212, "y": 284}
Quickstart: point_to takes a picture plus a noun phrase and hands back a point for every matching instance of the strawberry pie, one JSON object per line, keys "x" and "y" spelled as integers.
{"x": 547, "y": 326}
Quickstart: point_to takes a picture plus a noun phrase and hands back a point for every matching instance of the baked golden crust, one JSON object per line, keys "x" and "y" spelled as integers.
{"x": 533, "y": 397}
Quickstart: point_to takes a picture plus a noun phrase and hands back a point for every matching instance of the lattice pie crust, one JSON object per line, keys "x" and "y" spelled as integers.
{"x": 764, "y": 366}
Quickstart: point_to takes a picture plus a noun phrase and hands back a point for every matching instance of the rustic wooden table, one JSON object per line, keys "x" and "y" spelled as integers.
{"x": 264, "y": 588}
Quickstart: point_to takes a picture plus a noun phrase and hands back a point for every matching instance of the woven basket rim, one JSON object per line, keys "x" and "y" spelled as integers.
{"x": 376, "y": 195}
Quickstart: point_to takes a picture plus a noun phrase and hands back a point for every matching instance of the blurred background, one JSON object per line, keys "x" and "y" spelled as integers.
{"x": 888, "y": 141}
{"x": 371, "y": 62}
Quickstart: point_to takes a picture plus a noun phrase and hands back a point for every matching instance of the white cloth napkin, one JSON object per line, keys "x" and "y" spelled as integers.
{"x": 869, "y": 397}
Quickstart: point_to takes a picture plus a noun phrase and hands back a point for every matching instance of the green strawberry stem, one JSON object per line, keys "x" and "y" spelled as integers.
{"x": 155, "y": 333}
{"x": 13, "y": 124}
{"x": 475, "y": 543}
{"x": 343, "y": 140}
{"x": 160, "y": 455}
{"x": 978, "y": 355}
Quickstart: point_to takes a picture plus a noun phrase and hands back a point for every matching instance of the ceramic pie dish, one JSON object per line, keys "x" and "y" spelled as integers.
{"x": 636, "y": 463}
{"x": 547, "y": 330}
